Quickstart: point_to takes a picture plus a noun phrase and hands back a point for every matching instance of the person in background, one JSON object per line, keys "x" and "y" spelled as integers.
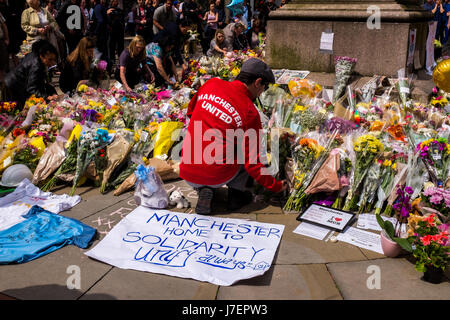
{"x": 151, "y": 6}
{"x": 12, "y": 13}
{"x": 218, "y": 45}
{"x": 433, "y": 7}
{"x": 140, "y": 18}
{"x": 226, "y": 107}
{"x": 446, "y": 21}
{"x": 100, "y": 29}
{"x": 234, "y": 36}
{"x": 51, "y": 7}
{"x": 440, "y": 19}
{"x": 130, "y": 27}
{"x": 254, "y": 32}
{"x": 79, "y": 66}
{"x": 90, "y": 30}
{"x": 177, "y": 31}
{"x": 247, "y": 15}
{"x": 116, "y": 22}
{"x": 220, "y": 14}
{"x": 85, "y": 12}
{"x": 163, "y": 15}
{"x": 211, "y": 19}
{"x": 37, "y": 22}
{"x": 132, "y": 68}
{"x": 273, "y": 5}
{"x": 159, "y": 58}
{"x": 31, "y": 75}
{"x": 72, "y": 34}
{"x": 4, "y": 42}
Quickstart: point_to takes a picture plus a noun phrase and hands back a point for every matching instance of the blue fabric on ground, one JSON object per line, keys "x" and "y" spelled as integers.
{"x": 43, "y": 232}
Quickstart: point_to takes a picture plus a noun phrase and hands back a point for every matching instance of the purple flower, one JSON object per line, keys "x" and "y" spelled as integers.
{"x": 405, "y": 212}
{"x": 408, "y": 190}
{"x": 429, "y": 192}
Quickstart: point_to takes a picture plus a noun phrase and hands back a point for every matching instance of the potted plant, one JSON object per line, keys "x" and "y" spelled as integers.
{"x": 392, "y": 241}
{"x": 428, "y": 238}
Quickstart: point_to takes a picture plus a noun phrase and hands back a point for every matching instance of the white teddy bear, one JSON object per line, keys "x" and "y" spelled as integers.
{"x": 177, "y": 198}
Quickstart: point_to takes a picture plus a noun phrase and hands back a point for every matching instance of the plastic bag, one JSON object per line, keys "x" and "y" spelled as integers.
{"x": 150, "y": 190}
{"x": 304, "y": 88}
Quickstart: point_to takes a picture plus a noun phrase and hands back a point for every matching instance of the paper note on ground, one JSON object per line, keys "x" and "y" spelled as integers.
{"x": 312, "y": 231}
{"x": 363, "y": 239}
{"x": 369, "y": 221}
{"x": 221, "y": 251}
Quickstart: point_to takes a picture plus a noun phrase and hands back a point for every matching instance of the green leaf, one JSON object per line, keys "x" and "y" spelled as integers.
{"x": 404, "y": 243}
{"x": 380, "y": 221}
{"x": 389, "y": 228}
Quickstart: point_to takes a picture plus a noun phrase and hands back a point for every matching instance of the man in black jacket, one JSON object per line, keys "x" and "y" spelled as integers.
{"x": 117, "y": 27}
{"x": 72, "y": 33}
{"x": 31, "y": 75}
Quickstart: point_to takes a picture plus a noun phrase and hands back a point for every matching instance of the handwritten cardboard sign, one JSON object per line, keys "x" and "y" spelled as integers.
{"x": 221, "y": 251}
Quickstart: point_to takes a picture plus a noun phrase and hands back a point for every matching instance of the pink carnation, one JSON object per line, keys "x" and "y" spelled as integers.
{"x": 436, "y": 199}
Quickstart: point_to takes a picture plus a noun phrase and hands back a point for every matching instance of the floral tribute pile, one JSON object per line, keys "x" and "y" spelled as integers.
{"x": 368, "y": 149}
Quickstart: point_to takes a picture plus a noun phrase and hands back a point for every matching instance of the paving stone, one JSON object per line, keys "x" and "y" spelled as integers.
{"x": 47, "y": 277}
{"x": 312, "y": 282}
{"x": 130, "y": 284}
{"x": 398, "y": 281}
{"x": 299, "y": 249}
{"x": 92, "y": 201}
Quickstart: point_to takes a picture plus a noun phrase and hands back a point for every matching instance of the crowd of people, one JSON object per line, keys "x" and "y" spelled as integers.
{"x": 77, "y": 34}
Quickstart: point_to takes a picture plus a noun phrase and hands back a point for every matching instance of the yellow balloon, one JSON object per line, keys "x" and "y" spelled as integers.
{"x": 441, "y": 75}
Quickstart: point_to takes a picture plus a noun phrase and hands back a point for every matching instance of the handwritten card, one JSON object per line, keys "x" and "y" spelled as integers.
{"x": 312, "y": 231}
{"x": 221, "y": 251}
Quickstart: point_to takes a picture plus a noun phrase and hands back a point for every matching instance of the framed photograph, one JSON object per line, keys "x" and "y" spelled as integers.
{"x": 289, "y": 75}
{"x": 327, "y": 217}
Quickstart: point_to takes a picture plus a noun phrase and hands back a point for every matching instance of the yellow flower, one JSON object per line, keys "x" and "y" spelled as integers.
{"x": 83, "y": 88}
{"x": 202, "y": 70}
{"x": 298, "y": 108}
{"x": 394, "y": 166}
{"x": 235, "y": 71}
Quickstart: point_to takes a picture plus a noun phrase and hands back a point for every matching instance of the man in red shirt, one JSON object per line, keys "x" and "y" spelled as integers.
{"x": 224, "y": 138}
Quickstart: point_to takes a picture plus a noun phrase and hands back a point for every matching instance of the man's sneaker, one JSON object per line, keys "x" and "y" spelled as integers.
{"x": 205, "y": 196}
{"x": 237, "y": 199}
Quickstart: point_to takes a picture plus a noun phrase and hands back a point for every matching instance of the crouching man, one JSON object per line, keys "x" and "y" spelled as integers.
{"x": 223, "y": 140}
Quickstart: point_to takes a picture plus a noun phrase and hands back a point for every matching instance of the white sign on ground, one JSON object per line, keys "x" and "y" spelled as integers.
{"x": 221, "y": 251}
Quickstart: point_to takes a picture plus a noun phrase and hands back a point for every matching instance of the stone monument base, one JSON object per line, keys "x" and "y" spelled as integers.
{"x": 294, "y": 36}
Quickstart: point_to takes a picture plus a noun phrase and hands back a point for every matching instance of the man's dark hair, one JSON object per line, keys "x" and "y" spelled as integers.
{"x": 165, "y": 42}
{"x": 248, "y": 78}
{"x": 42, "y": 47}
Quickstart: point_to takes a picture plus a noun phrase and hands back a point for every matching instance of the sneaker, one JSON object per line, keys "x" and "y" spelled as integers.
{"x": 238, "y": 199}
{"x": 205, "y": 196}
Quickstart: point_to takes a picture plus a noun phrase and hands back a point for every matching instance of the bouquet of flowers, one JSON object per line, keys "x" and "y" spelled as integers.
{"x": 367, "y": 148}
{"x": 28, "y": 155}
{"x": 344, "y": 69}
{"x": 8, "y": 107}
{"x": 66, "y": 166}
{"x": 436, "y": 155}
{"x": 370, "y": 186}
{"x": 437, "y": 199}
{"x": 387, "y": 180}
{"x": 429, "y": 242}
{"x": 344, "y": 172}
{"x": 306, "y": 153}
{"x": 89, "y": 146}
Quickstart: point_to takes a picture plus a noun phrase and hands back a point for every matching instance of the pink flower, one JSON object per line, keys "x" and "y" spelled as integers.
{"x": 436, "y": 199}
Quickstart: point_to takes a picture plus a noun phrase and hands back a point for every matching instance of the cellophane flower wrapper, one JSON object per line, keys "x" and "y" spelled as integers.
{"x": 50, "y": 161}
{"x": 89, "y": 144}
{"x": 386, "y": 185}
{"x": 278, "y": 103}
{"x": 343, "y": 69}
{"x": 399, "y": 179}
{"x": 435, "y": 154}
{"x": 116, "y": 153}
{"x": 370, "y": 185}
{"x": 367, "y": 147}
